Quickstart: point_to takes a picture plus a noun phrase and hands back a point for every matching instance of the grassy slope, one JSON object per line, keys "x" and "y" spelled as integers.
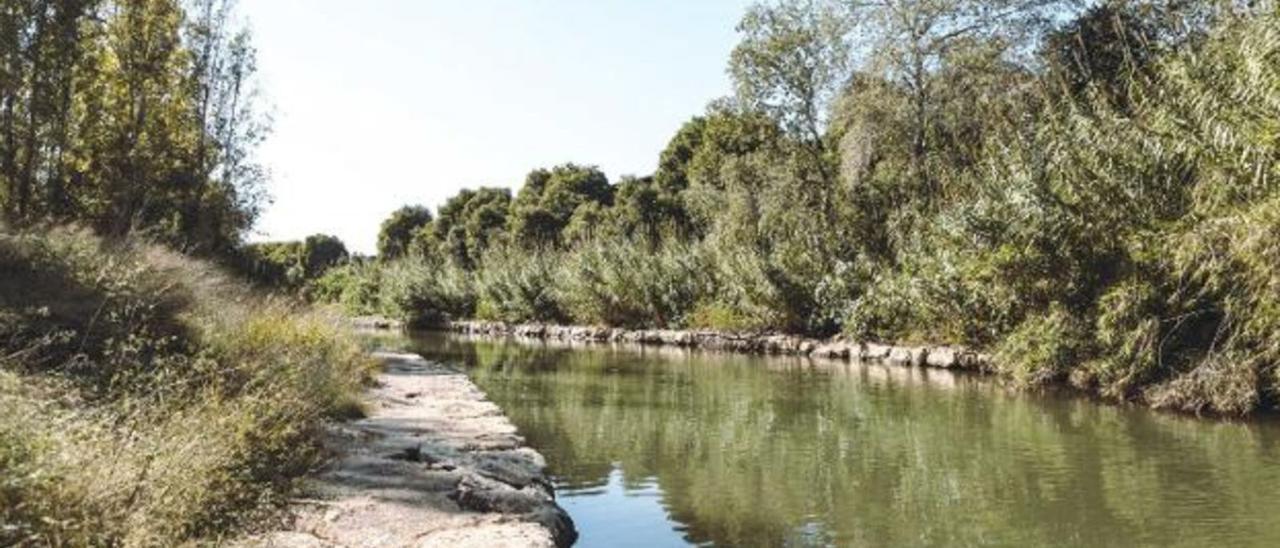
{"x": 148, "y": 399}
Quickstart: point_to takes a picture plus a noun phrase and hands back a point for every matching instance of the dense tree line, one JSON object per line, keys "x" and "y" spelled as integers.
{"x": 1085, "y": 188}
{"x": 130, "y": 116}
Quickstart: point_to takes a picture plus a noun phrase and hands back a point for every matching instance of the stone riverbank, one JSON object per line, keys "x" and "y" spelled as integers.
{"x": 935, "y": 356}
{"x": 434, "y": 464}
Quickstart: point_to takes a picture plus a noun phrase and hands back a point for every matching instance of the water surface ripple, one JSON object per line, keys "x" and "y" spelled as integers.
{"x": 662, "y": 447}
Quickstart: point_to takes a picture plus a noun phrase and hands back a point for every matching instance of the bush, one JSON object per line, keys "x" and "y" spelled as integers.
{"x": 1044, "y": 348}
{"x": 355, "y": 286}
{"x": 422, "y": 293}
{"x": 150, "y": 401}
{"x": 747, "y": 298}
{"x": 621, "y": 282}
{"x": 519, "y": 286}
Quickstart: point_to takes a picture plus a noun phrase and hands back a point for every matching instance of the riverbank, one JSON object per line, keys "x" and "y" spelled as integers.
{"x": 434, "y": 463}
{"x": 741, "y": 450}
{"x": 935, "y": 356}
{"x": 147, "y": 399}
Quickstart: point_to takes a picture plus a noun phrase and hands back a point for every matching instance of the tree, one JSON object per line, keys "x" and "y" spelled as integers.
{"x": 797, "y": 57}
{"x": 397, "y": 232}
{"x": 907, "y": 42}
{"x": 791, "y": 64}
{"x": 642, "y": 208}
{"x": 549, "y": 199}
{"x": 468, "y": 224}
{"x": 130, "y": 115}
{"x": 1114, "y": 45}
{"x": 673, "y": 163}
{"x": 227, "y": 193}
{"x": 41, "y": 47}
{"x": 319, "y": 253}
{"x": 726, "y": 136}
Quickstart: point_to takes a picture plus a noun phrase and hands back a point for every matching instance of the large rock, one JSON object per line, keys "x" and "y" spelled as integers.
{"x": 944, "y": 357}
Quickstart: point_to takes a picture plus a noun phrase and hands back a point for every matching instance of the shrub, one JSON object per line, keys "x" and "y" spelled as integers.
{"x": 356, "y": 286}
{"x": 747, "y": 298}
{"x": 1044, "y": 348}
{"x": 148, "y": 399}
{"x": 519, "y": 286}
{"x": 621, "y": 282}
{"x": 423, "y": 292}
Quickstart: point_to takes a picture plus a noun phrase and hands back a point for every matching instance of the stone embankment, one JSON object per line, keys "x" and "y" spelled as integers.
{"x": 942, "y": 357}
{"x": 434, "y": 464}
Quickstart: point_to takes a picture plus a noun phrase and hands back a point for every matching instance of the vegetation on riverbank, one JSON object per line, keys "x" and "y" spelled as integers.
{"x": 1090, "y": 193}
{"x": 148, "y": 399}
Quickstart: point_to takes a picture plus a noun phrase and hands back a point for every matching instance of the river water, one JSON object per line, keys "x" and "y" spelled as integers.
{"x": 653, "y": 447}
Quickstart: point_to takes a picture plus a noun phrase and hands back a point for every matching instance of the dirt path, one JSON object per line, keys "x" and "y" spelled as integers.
{"x": 435, "y": 464}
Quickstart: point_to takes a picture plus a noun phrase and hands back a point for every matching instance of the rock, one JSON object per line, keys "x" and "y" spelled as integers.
{"x": 873, "y": 351}
{"x": 905, "y": 355}
{"x": 838, "y": 347}
{"x": 941, "y": 357}
{"x": 376, "y": 323}
{"x": 480, "y": 494}
{"x": 807, "y": 346}
{"x": 944, "y": 357}
{"x": 837, "y": 350}
{"x": 446, "y": 465}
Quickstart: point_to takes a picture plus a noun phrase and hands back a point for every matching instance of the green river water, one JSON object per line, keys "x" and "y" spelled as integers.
{"x": 663, "y": 447}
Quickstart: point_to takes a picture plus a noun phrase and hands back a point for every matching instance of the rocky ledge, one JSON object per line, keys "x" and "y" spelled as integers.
{"x": 434, "y": 464}
{"x": 943, "y": 357}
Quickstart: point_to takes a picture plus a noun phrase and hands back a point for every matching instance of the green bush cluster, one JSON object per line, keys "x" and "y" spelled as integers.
{"x": 612, "y": 281}
{"x": 1092, "y": 201}
{"x": 1122, "y": 248}
{"x": 289, "y": 265}
{"x": 148, "y": 399}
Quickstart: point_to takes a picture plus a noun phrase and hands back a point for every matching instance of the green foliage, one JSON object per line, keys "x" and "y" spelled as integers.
{"x": 131, "y": 116}
{"x": 397, "y": 232}
{"x": 674, "y": 161}
{"x": 645, "y": 209}
{"x": 549, "y": 200}
{"x": 519, "y": 286}
{"x": 290, "y": 265}
{"x": 1044, "y": 348}
{"x": 356, "y": 286}
{"x": 1128, "y": 216}
{"x": 1089, "y": 193}
{"x": 467, "y": 226}
{"x": 321, "y": 252}
{"x": 620, "y": 282}
{"x": 148, "y": 400}
{"x": 426, "y": 293}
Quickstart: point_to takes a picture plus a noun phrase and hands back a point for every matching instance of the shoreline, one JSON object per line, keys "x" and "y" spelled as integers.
{"x": 434, "y": 463}
{"x": 951, "y": 357}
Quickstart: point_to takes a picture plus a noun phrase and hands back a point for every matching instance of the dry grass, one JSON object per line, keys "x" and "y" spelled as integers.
{"x": 150, "y": 400}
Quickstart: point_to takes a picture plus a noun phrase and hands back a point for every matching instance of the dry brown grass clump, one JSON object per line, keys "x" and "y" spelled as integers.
{"x": 150, "y": 400}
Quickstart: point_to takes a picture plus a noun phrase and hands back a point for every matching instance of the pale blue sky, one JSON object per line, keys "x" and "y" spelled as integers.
{"x": 379, "y": 103}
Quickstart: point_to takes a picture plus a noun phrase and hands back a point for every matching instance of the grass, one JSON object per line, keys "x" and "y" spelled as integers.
{"x": 149, "y": 399}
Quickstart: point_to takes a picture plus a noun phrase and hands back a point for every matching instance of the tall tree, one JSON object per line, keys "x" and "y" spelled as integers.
{"x": 907, "y": 42}
{"x": 792, "y": 62}
{"x": 41, "y": 44}
{"x": 549, "y": 198}
{"x": 223, "y": 66}
{"x": 130, "y": 115}
{"x": 398, "y": 230}
{"x": 468, "y": 224}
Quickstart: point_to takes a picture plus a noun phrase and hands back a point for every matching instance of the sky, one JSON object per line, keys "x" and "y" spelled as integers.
{"x": 381, "y": 103}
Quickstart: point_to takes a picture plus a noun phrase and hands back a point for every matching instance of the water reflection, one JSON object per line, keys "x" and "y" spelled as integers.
{"x": 652, "y": 447}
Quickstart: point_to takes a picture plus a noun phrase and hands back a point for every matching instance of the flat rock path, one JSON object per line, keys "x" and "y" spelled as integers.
{"x": 434, "y": 464}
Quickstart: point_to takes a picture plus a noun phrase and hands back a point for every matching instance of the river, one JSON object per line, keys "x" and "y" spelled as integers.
{"x": 664, "y": 447}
